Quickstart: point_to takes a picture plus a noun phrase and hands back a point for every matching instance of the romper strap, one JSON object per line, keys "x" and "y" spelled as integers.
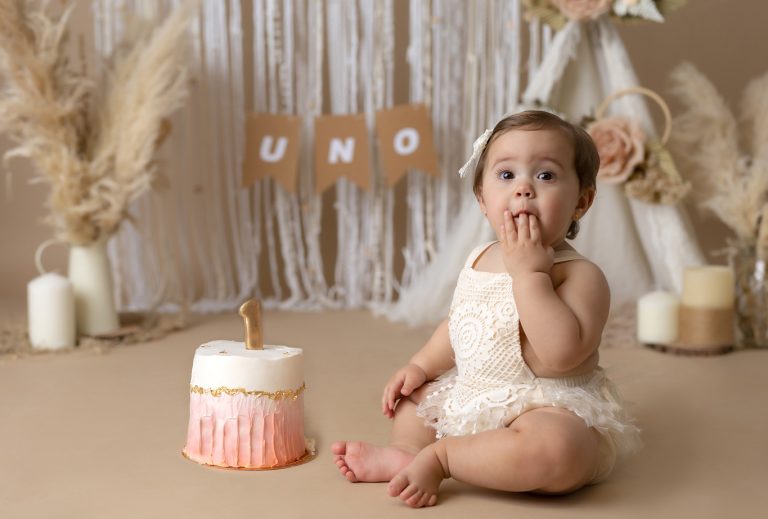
{"x": 567, "y": 255}
{"x": 476, "y": 252}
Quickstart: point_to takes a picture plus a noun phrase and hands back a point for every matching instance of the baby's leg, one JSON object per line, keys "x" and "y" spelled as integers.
{"x": 361, "y": 461}
{"x": 409, "y": 432}
{"x": 546, "y": 450}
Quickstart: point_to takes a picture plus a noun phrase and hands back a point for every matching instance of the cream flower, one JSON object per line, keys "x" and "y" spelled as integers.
{"x": 583, "y": 9}
{"x": 621, "y": 146}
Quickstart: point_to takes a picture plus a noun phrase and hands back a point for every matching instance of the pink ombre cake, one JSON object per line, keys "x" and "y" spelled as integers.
{"x": 246, "y": 406}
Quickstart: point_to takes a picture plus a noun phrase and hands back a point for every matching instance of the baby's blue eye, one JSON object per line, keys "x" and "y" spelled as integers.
{"x": 506, "y": 175}
{"x": 546, "y": 175}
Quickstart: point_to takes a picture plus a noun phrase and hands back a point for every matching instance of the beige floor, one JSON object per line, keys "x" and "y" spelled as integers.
{"x": 88, "y": 435}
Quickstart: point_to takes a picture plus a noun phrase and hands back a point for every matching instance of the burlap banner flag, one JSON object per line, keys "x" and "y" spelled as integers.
{"x": 341, "y": 150}
{"x": 405, "y": 141}
{"x": 272, "y": 144}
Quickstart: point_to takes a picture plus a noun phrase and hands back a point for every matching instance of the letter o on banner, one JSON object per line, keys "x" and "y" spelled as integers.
{"x": 406, "y": 141}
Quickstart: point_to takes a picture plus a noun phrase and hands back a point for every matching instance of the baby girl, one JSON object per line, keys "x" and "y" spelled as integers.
{"x": 507, "y": 393}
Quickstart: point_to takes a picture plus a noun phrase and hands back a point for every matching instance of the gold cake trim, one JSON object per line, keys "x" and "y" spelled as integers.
{"x": 272, "y": 395}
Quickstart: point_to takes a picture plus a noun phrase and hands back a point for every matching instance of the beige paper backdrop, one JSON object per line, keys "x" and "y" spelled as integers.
{"x": 724, "y": 39}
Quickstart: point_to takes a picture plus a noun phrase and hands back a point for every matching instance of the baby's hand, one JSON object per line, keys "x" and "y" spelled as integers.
{"x": 521, "y": 245}
{"x": 404, "y": 382}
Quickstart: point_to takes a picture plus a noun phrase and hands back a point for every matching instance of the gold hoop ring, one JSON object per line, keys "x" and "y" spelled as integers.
{"x": 644, "y": 91}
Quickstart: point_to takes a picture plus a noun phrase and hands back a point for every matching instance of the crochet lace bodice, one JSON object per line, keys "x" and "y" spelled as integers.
{"x": 484, "y": 329}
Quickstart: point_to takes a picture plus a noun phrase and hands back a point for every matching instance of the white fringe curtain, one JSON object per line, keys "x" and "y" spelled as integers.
{"x": 361, "y": 80}
{"x": 197, "y": 238}
{"x": 202, "y": 241}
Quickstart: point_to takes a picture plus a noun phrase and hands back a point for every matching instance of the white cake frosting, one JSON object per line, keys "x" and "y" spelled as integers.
{"x": 230, "y": 364}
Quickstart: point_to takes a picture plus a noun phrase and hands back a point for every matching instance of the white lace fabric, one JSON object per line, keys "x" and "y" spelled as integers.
{"x": 492, "y": 385}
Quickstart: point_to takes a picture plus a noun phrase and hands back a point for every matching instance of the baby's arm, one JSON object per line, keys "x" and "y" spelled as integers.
{"x": 432, "y": 360}
{"x": 563, "y": 326}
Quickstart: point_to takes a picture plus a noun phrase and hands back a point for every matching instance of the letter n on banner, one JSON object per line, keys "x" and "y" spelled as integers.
{"x": 341, "y": 149}
{"x": 272, "y": 144}
{"x": 405, "y": 141}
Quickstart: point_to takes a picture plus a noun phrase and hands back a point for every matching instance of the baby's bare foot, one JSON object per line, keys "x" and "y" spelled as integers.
{"x": 417, "y": 483}
{"x": 360, "y": 461}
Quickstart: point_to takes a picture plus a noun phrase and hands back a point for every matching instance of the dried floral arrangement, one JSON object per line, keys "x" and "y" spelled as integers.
{"x": 727, "y": 161}
{"x": 630, "y": 157}
{"x": 92, "y": 141}
{"x": 725, "y": 158}
{"x": 556, "y": 13}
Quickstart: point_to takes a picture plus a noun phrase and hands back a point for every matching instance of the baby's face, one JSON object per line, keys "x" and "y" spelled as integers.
{"x": 532, "y": 171}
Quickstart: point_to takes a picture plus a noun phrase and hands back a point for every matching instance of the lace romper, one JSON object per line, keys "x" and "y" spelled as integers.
{"x": 492, "y": 385}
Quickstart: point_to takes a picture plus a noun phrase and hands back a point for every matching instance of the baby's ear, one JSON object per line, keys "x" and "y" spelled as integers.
{"x": 586, "y": 198}
{"x": 479, "y": 196}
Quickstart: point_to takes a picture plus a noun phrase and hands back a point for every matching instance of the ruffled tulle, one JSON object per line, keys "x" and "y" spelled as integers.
{"x": 454, "y": 408}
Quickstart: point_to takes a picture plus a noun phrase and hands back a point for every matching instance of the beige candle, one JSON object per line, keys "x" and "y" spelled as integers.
{"x": 706, "y": 312}
{"x": 710, "y": 286}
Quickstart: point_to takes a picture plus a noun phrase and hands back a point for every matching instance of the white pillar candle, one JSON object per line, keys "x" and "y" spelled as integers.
{"x": 657, "y": 314}
{"x": 710, "y": 286}
{"x": 51, "y": 312}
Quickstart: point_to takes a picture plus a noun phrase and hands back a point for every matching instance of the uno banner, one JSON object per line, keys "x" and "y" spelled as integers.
{"x": 341, "y": 147}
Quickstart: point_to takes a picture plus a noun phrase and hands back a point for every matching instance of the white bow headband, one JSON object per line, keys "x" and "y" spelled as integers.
{"x": 477, "y": 149}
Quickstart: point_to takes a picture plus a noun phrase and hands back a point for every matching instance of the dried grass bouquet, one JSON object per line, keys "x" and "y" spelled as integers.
{"x": 92, "y": 142}
{"x": 725, "y": 159}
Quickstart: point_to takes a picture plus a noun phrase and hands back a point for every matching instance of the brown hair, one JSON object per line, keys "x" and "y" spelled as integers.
{"x": 586, "y": 161}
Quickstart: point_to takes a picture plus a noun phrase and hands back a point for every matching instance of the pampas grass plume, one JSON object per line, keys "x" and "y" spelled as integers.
{"x": 727, "y": 181}
{"x": 96, "y": 154}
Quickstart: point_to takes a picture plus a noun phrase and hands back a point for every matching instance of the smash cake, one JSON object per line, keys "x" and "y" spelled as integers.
{"x": 246, "y": 402}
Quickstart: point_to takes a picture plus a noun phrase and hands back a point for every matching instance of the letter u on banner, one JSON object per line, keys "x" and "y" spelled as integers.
{"x": 405, "y": 141}
{"x": 272, "y": 144}
{"x": 341, "y": 149}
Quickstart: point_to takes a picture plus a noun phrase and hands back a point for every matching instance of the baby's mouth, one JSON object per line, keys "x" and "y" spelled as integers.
{"x": 516, "y": 216}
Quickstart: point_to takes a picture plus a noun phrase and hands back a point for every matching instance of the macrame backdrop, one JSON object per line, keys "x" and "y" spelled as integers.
{"x": 200, "y": 240}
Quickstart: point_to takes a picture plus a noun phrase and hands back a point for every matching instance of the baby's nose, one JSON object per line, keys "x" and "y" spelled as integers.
{"x": 524, "y": 191}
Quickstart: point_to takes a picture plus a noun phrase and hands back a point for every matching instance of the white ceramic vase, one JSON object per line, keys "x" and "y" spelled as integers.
{"x": 91, "y": 277}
